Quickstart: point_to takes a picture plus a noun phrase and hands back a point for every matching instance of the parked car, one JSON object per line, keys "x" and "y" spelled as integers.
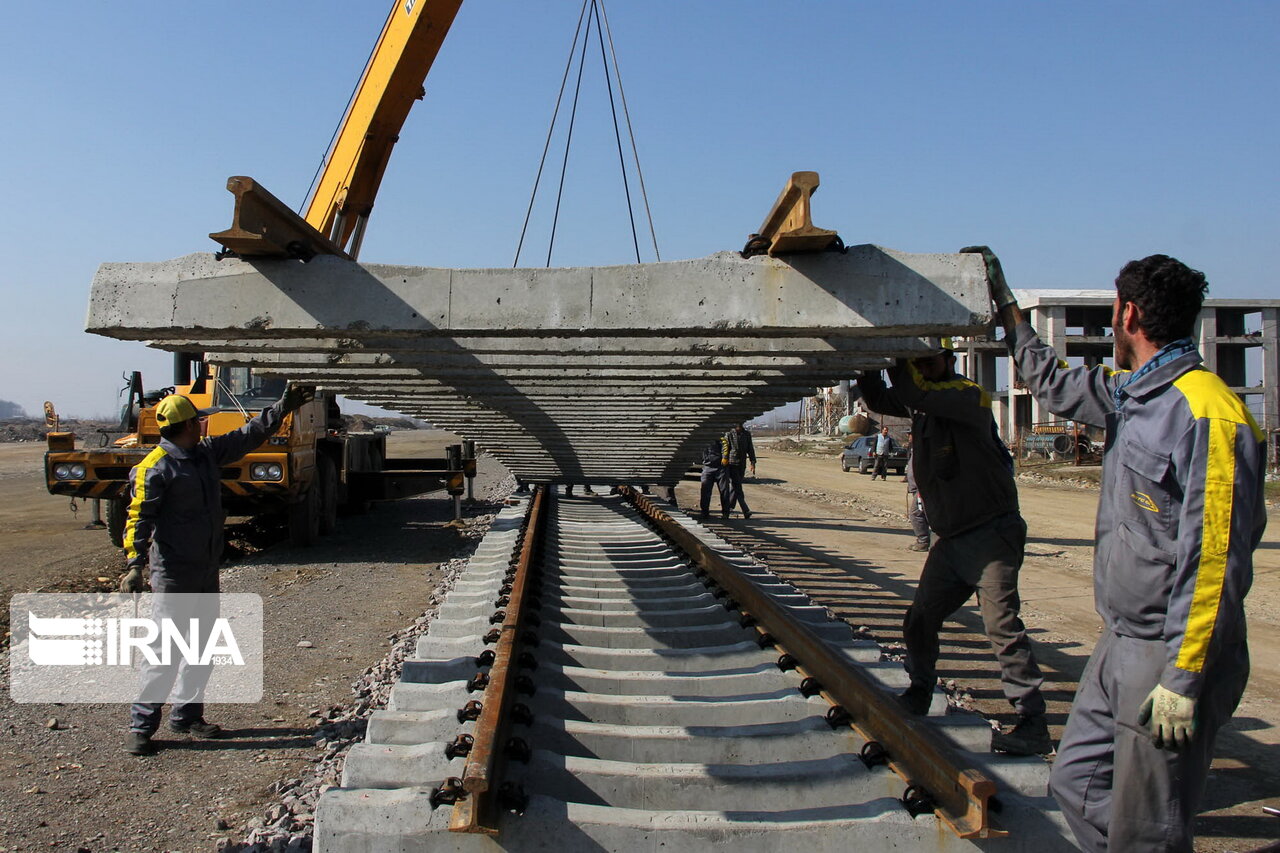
{"x": 861, "y": 454}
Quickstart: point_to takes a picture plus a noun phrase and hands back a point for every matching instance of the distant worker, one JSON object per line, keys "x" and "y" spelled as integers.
{"x": 1180, "y": 514}
{"x": 884, "y": 446}
{"x": 715, "y": 450}
{"x": 915, "y": 507}
{"x": 174, "y": 528}
{"x": 740, "y": 451}
{"x": 965, "y": 477}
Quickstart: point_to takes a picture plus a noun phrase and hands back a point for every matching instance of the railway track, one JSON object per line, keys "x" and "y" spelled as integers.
{"x": 609, "y": 675}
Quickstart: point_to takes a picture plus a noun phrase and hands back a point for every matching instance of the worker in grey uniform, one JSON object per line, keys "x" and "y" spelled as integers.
{"x": 174, "y": 528}
{"x": 915, "y": 507}
{"x": 1180, "y": 513}
{"x": 965, "y": 476}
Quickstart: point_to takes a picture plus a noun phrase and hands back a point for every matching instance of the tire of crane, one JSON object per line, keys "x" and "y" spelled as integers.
{"x": 327, "y": 481}
{"x": 117, "y": 513}
{"x": 304, "y": 517}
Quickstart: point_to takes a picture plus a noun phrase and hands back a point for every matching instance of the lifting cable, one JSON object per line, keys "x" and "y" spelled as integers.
{"x": 597, "y": 12}
{"x": 635, "y": 154}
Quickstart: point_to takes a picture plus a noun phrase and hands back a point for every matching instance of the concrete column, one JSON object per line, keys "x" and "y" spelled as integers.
{"x": 1051, "y": 323}
{"x": 1207, "y": 337}
{"x": 1270, "y": 374}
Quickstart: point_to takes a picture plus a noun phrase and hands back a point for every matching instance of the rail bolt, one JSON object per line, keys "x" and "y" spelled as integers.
{"x": 498, "y": 617}
{"x": 447, "y": 793}
{"x": 512, "y": 798}
{"x": 527, "y": 661}
{"x": 460, "y": 746}
{"x": 524, "y": 684}
{"x": 917, "y": 801}
{"x": 470, "y": 711}
{"x": 787, "y": 662}
{"x": 479, "y": 681}
{"x": 486, "y": 658}
{"x": 521, "y": 714}
{"x": 837, "y": 717}
{"x": 810, "y": 687}
{"x": 518, "y": 750}
{"x": 873, "y": 754}
{"x": 492, "y": 637}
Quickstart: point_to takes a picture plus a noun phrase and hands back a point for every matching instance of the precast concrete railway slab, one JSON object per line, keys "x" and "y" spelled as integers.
{"x": 604, "y": 375}
{"x": 649, "y": 710}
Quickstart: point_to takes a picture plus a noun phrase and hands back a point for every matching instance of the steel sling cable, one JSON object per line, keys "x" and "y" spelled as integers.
{"x": 564, "y": 166}
{"x": 635, "y": 154}
{"x": 617, "y": 133}
{"x": 547, "y": 145}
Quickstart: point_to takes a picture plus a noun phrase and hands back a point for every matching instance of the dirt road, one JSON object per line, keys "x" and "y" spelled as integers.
{"x": 71, "y": 787}
{"x": 844, "y": 539}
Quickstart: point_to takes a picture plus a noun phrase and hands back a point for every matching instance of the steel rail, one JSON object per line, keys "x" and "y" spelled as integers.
{"x": 475, "y": 812}
{"x": 920, "y": 756}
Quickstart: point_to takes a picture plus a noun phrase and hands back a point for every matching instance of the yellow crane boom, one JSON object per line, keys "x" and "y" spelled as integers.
{"x": 340, "y": 205}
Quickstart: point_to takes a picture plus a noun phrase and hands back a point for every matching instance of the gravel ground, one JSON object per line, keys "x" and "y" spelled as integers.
{"x": 339, "y": 619}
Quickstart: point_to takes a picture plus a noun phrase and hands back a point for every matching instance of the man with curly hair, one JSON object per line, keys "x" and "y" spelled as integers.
{"x": 1180, "y": 514}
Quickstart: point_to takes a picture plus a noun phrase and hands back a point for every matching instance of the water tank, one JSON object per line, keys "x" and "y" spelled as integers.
{"x": 854, "y": 425}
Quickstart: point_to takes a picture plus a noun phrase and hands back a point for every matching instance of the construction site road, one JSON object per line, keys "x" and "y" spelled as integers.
{"x": 66, "y": 784}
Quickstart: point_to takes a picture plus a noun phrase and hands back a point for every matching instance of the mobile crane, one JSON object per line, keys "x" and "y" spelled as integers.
{"x": 312, "y": 465}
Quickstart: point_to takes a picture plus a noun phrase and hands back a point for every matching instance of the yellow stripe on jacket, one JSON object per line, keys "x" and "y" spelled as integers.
{"x": 139, "y": 497}
{"x": 1209, "y": 398}
{"x": 959, "y": 383}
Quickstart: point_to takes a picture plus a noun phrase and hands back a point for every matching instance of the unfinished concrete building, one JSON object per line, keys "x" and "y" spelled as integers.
{"x": 1237, "y": 337}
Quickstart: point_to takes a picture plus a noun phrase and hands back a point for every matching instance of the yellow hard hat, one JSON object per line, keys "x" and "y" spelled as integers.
{"x": 176, "y": 408}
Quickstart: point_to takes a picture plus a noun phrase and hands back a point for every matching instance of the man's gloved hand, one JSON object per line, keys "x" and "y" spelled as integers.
{"x": 132, "y": 580}
{"x": 1001, "y": 295}
{"x": 296, "y": 395}
{"x": 1169, "y": 716}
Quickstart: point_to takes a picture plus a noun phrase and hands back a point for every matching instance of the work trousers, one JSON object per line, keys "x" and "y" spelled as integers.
{"x": 881, "y": 468}
{"x": 1117, "y": 790}
{"x": 985, "y": 560}
{"x": 712, "y": 479}
{"x": 915, "y": 515}
{"x": 180, "y": 681}
{"x": 731, "y": 488}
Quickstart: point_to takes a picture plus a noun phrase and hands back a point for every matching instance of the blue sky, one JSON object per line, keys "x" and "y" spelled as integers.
{"x": 1071, "y": 137}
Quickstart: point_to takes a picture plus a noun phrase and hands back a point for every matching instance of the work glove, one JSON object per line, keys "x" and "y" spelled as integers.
{"x": 132, "y": 580}
{"x": 296, "y": 395}
{"x": 1169, "y": 716}
{"x": 1001, "y": 295}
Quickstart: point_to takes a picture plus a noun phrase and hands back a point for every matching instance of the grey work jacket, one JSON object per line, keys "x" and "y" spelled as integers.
{"x": 962, "y": 469}
{"x": 1181, "y": 509}
{"x": 175, "y": 512}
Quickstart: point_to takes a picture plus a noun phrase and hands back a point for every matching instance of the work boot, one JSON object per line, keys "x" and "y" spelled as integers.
{"x": 917, "y": 698}
{"x": 746, "y": 513}
{"x": 918, "y": 546}
{"x": 1029, "y": 737}
{"x": 138, "y": 743}
{"x": 199, "y": 728}
{"x": 587, "y": 490}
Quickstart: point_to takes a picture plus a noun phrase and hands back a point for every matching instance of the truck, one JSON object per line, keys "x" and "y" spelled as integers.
{"x": 307, "y": 471}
